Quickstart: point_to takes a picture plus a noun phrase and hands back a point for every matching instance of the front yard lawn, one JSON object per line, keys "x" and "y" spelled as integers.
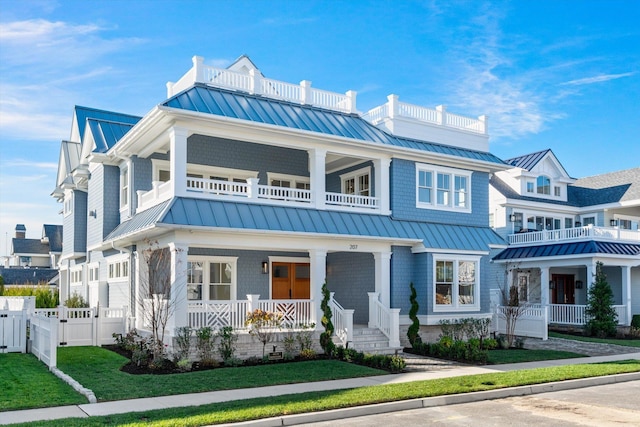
{"x": 497, "y": 357}
{"x": 251, "y": 409}
{"x": 98, "y": 369}
{"x": 624, "y": 342}
{"x": 27, "y": 383}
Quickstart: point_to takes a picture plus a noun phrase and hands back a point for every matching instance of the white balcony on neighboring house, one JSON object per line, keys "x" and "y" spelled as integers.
{"x": 588, "y": 232}
{"x": 252, "y": 192}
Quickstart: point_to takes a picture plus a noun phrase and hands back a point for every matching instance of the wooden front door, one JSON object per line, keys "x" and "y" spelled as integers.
{"x": 564, "y": 292}
{"x": 290, "y": 280}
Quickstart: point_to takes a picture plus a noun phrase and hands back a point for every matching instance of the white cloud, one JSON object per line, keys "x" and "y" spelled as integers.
{"x": 597, "y": 79}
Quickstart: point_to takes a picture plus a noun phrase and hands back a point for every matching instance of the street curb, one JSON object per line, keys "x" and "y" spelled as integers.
{"x": 428, "y": 402}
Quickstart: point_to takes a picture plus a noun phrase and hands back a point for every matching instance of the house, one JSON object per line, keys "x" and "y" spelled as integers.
{"x": 33, "y": 261}
{"x": 559, "y": 227}
{"x": 260, "y": 191}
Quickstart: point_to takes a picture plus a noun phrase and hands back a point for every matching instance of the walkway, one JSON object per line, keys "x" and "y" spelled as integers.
{"x": 420, "y": 369}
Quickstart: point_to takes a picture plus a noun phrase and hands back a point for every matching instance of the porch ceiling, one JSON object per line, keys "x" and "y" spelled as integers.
{"x": 226, "y": 215}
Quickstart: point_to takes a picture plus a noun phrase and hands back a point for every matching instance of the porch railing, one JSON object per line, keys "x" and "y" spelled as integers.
{"x": 352, "y": 200}
{"x": 342, "y": 321}
{"x": 218, "y": 314}
{"x": 572, "y": 314}
{"x": 576, "y": 233}
{"x": 385, "y": 319}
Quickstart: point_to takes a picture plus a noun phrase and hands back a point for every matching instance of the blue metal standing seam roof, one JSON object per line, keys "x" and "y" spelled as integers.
{"x": 587, "y": 247}
{"x": 187, "y": 212}
{"x": 106, "y": 133}
{"x": 240, "y": 105}
{"x": 84, "y": 113}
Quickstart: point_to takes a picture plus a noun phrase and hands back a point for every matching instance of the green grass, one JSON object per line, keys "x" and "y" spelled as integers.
{"x": 249, "y": 409}
{"x": 27, "y": 383}
{"x": 627, "y": 343}
{"x": 98, "y": 370}
{"x": 497, "y": 357}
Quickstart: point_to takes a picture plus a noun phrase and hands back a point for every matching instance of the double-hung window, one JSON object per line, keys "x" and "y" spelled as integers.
{"x": 124, "y": 188}
{"x": 443, "y": 188}
{"x": 211, "y": 278}
{"x": 457, "y": 285}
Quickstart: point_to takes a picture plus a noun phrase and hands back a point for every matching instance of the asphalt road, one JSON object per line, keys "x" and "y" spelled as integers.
{"x": 598, "y": 406}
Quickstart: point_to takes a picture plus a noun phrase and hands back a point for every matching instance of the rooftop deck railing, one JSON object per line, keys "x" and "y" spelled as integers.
{"x": 577, "y": 233}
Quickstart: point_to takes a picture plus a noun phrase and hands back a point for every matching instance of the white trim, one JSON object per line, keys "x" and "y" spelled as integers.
{"x": 92, "y": 267}
{"x": 356, "y": 183}
{"x": 196, "y": 169}
{"x": 455, "y": 306}
{"x": 451, "y": 251}
{"x": 295, "y": 179}
{"x": 452, "y": 173}
{"x": 292, "y": 260}
{"x": 434, "y": 320}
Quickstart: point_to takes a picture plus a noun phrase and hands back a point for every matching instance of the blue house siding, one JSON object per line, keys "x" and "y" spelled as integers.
{"x": 141, "y": 177}
{"x": 232, "y": 154}
{"x": 96, "y": 191}
{"x": 402, "y": 274}
{"x": 403, "y": 198}
{"x": 351, "y": 275}
{"x": 79, "y": 218}
{"x": 104, "y": 198}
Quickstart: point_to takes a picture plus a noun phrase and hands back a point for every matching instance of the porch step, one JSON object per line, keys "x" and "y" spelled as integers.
{"x": 372, "y": 341}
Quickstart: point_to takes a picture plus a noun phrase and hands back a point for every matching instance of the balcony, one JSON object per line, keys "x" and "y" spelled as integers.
{"x": 588, "y": 232}
{"x": 252, "y": 192}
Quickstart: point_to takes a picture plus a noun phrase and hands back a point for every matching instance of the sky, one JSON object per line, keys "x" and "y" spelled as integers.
{"x": 554, "y": 74}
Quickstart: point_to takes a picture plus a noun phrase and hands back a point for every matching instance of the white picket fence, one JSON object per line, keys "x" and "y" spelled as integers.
{"x": 43, "y": 334}
{"x": 532, "y": 322}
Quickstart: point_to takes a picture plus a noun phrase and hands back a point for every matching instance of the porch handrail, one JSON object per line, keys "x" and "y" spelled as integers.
{"x": 284, "y": 193}
{"x": 342, "y": 320}
{"x": 574, "y": 314}
{"x": 295, "y": 312}
{"x": 217, "y": 314}
{"x": 217, "y": 186}
{"x": 385, "y": 319}
{"x": 352, "y": 200}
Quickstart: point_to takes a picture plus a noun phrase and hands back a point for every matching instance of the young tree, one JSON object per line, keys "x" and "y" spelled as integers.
{"x": 326, "y": 341}
{"x": 262, "y": 325}
{"x": 511, "y": 308}
{"x": 414, "y": 328}
{"x": 603, "y": 319}
{"x": 154, "y": 298}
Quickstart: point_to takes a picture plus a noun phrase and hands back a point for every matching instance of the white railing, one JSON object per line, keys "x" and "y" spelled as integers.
{"x": 283, "y": 193}
{"x": 254, "y": 83}
{"x": 573, "y": 314}
{"x": 342, "y": 321}
{"x": 43, "y": 333}
{"x": 352, "y": 200}
{"x": 218, "y": 314}
{"x": 216, "y": 186}
{"x": 438, "y": 116}
{"x": 252, "y": 191}
{"x": 385, "y": 319}
{"x": 532, "y": 321}
{"x": 576, "y": 233}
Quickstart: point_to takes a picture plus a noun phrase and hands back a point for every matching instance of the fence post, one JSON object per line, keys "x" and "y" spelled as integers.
{"x": 545, "y": 324}
{"x": 253, "y": 302}
{"x": 373, "y": 318}
{"x": 394, "y": 328}
{"x": 53, "y": 342}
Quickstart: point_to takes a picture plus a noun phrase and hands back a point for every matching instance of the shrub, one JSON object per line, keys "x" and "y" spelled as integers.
{"x": 46, "y": 296}
{"x": 602, "y": 316}
{"x": 227, "y": 345}
{"x": 205, "y": 341}
{"x": 634, "y": 330}
{"x": 414, "y": 328}
{"x": 183, "y": 342}
{"x": 326, "y": 341}
{"x": 76, "y": 301}
{"x": 304, "y": 337}
{"x": 262, "y": 325}
{"x": 490, "y": 344}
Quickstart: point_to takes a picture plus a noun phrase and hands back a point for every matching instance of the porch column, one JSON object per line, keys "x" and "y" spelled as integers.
{"x": 591, "y": 272}
{"x": 383, "y": 277}
{"x": 318, "y": 266}
{"x": 626, "y": 294}
{"x": 178, "y": 160}
{"x": 544, "y": 286}
{"x": 381, "y": 179}
{"x": 317, "y": 177}
{"x": 178, "y": 298}
{"x": 142, "y": 274}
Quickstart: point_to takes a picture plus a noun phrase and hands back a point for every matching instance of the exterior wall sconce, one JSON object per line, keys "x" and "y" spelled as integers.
{"x": 93, "y": 213}
{"x": 613, "y": 222}
{"x": 578, "y": 284}
{"x": 552, "y": 284}
{"x": 512, "y": 218}
{"x": 265, "y": 267}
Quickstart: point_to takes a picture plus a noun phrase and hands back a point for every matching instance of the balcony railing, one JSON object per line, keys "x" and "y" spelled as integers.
{"x": 589, "y": 232}
{"x": 253, "y": 82}
{"x": 572, "y": 314}
{"x": 253, "y": 192}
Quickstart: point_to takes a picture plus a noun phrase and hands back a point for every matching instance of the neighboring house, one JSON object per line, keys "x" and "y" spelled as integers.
{"x": 269, "y": 189}
{"x": 558, "y": 227}
{"x": 33, "y": 261}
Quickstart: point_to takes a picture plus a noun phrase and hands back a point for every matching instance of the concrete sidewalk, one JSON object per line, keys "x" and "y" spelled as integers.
{"x": 195, "y": 399}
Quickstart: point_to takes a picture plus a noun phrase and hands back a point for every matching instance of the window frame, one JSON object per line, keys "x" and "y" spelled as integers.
{"x": 93, "y": 273}
{"x": 545, "y": 185}
{"x": 455, "y": 305}
{"x": 293, "y": 179}
{"x": 356, "y": 175}
{"x": 452, "y": 192}
{"x": 118, "y": 269}
{"x": 207, "y": 261}
{"x": 124, "y": 187}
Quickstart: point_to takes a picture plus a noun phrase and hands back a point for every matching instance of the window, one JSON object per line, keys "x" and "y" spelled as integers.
{"x": 456, "y": 283}
{"x": 590, "y": 220}
{"x": 76, "y": 276}
{"x": 356, "y": 182}
{"x": 289, "y": 181}
{"x": 124, "y": 188}
{"x": 543, "y": 185}
{"x": 211, "y": 279}
{"x": 523, "y": 287}
{"x": 568, "y": 223}
{"x": 25, "y": 260}
{"x": 119, "y": 269}
{"x": 452, "y": 190}
{"x": 529, "y": 187}
{"x": 556, "y": 191}
{"x": 92, "y": 271}
{"x": 68, "y": 203}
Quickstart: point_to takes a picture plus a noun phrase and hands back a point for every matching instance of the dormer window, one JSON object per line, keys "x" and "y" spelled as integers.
{"x": 530, "y": 187}
{"x": 124, "y": 188}
{"x": 543, "y": 185}
{"x": 556, "y": 191}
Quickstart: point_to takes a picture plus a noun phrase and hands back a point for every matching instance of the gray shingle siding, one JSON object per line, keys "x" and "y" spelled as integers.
{"x": 111, "y": 200}
{"x": 141, "y": 177}
{"x": 402, "y": 274}
{"x": 351, "y": 276}
{"x": 334, "y": 182}
{"x": 232, "y": 154}
{"x": 79, "y": 218}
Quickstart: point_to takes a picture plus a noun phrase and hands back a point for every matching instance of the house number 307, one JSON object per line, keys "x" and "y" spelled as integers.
{"x": 353, "y": 247}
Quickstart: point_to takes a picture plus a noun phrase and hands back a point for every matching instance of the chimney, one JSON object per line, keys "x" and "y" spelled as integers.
{"x": 21, "y": 231}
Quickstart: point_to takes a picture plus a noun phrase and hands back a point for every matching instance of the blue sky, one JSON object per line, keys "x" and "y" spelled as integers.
{"x": 549, "y": 74}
